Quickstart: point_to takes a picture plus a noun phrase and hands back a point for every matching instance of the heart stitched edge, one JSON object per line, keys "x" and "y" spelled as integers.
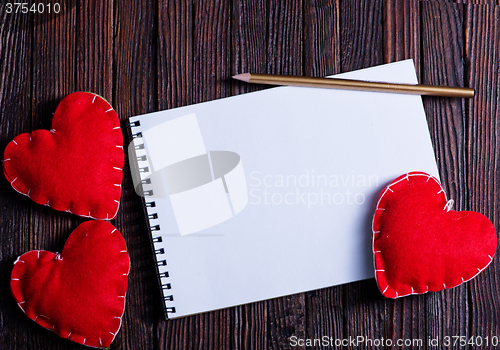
{"x": 27, "y": 193}
{"x": 381, "y": 272}
{"x": 45, "y": 321}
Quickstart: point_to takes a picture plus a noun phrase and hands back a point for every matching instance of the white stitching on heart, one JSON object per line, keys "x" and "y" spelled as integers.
{"x": 448, "y": 207}
{"x": 48, "y": 320}
{"x": 70, "y": 333}
{"x": 69, "y": 210}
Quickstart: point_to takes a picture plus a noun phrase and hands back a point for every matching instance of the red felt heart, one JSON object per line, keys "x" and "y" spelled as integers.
{"x": 80, "y": 293}
{"x": 77, "y": 165}
{"x": 420, "y": 244}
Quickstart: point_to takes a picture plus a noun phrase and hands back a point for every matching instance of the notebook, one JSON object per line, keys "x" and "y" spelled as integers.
{"x": 272, "y": 193}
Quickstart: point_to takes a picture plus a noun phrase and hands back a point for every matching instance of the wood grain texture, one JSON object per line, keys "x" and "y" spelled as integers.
{"x": 249, "y": 41}
{"x": 324, "y": 312}
{"x": 249, "y": 54}
{"x": 212, "y": 50}
{"x": 361, "y": 43}
{"x": 53, "y": 78}
{"x": 284, "y": 40}
{"x": 175, "y": 53}
{"x": 321, "y": 38}
{"x": 402, "y": 40}
{"x": 447, "y": 312}
{"x": 94, "y": 48}
{"x": 135, "y": 92}
{"x": 16, "y": 35}
{"x": 402, "y": 31}
{"x": 285, "y": 315}
{"x": 361, "y": 35}
{"x": 483, "y": 112}
{"x": 210, "y": 25}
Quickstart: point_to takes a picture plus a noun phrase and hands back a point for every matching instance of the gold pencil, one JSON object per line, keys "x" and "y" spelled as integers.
{"x": 347, "y": 84}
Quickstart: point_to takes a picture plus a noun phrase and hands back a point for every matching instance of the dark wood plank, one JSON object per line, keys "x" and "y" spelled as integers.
{"x": 363, "y": 308}
{"x": 361, "y": 34}
{"x": 16, "y": 35}
{"x": 202, "y": 51}
{"x": 402, "y": 31}
{"x": 483, "y": 55}
{"x": 162, "y": 54}
{"x": 135, "y": 92}
{"x": 249, "y": 54}
{"x": 249, "y": 41}
{"x": 94, "y": 48}
{"x": 54, "y": 40}
{"x": 250, "y": 326}
{"x": 212, "y": 50}
{"x": 402, "y": 41}
{"x": 477, "y": 2}
{"x": 175, "y": 53}
{"x": 175, "y": 89}
{"x": 321, "y": 38}
{"x": 324, "y": 311}
{"x": 443, "y": 48}
{"x": 284, "y": 46}
{"x": 286, "y": 315}
{"x": 442, "y": 58}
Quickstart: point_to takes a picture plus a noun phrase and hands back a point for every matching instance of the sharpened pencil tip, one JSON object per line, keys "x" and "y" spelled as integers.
{"x": 243, "y": 77}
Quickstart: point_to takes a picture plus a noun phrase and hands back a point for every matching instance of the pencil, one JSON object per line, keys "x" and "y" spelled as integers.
{"x": 347, "y": 84}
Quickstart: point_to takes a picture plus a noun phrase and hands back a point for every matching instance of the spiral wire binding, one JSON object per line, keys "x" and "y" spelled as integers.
{"x": 158, "y": 253}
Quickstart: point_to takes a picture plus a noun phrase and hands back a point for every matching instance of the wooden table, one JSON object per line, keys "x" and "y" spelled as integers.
{"x": 151, "y": 55}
